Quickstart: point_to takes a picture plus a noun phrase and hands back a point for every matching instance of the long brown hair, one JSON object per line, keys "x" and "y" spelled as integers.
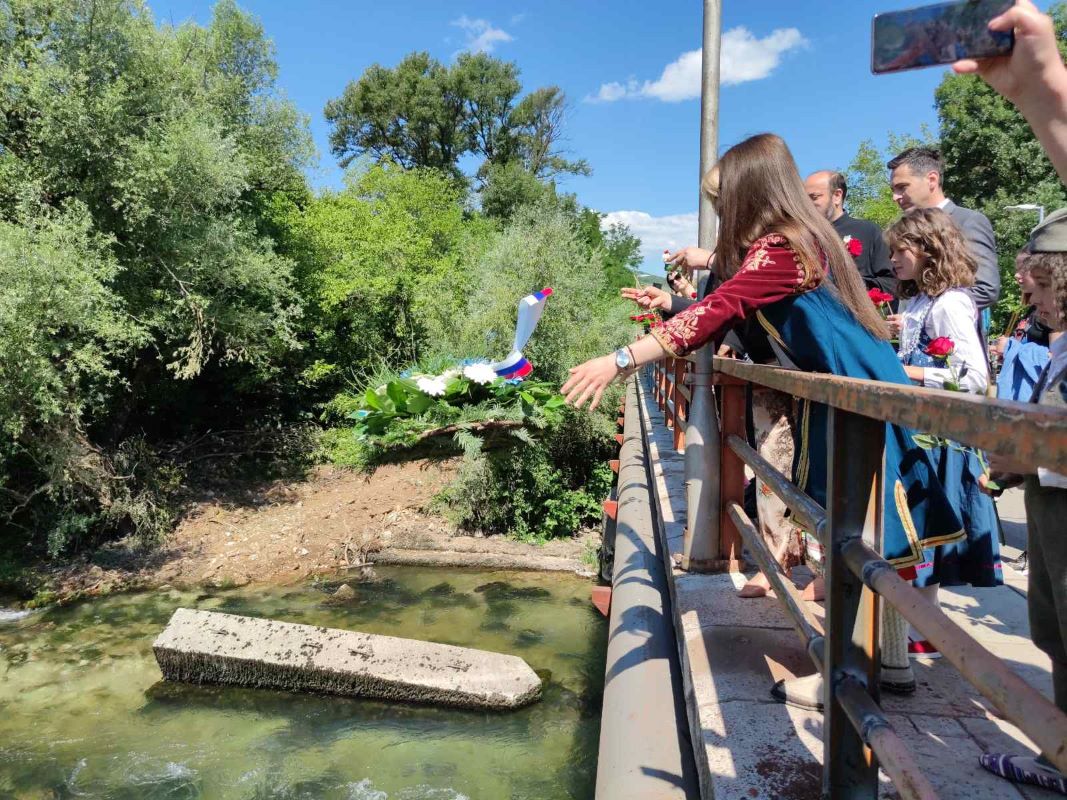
{"x": 762, "y": 193}
{"x": 947, "y": 260}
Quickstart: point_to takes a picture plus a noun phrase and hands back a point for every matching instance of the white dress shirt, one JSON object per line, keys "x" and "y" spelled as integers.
{"x": 953, "y": 315}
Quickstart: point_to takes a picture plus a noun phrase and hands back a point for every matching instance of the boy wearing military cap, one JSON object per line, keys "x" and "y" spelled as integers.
{"x": 1046, "y": 501}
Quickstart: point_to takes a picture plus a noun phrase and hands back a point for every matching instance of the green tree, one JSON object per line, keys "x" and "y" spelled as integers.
{"x": 377, "y": 261}
{"x": 537, "y": 122}
{"x": 157, "y": 151}
{"x": 424, "y": 114}
{"x": 414, "y": 114}
{"x": 993, "y": 161}
{"x": 540, "y": 246}
{"x": 869, "y": 194}
{"x": 622, "y": 255}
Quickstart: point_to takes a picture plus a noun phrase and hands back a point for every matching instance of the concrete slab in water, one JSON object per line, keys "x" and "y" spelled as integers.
{"x": 209, "y": 647}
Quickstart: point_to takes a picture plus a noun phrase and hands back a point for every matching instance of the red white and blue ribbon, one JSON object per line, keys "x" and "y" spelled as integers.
{"x": 530, "y": 308}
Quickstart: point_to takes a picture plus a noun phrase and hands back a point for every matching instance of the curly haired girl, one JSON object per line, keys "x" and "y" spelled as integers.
{"x": 940, "y": 347}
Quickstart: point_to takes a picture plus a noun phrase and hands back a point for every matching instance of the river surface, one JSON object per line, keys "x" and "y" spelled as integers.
{"x": 84, "y": 713}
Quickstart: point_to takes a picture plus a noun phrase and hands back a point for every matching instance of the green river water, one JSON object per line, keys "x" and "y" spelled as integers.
{"x": 84, "y": 714}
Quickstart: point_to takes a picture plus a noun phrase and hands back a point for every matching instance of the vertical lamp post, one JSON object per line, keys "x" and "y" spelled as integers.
{"x": 700, "y": 547}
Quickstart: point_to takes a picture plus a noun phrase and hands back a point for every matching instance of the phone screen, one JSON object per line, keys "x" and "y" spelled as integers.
{"x": 937, "y": 34}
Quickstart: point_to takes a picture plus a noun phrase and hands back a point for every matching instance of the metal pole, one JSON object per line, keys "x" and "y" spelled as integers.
{"x": 700, "y": 547}
{"x": 855, "y": 446}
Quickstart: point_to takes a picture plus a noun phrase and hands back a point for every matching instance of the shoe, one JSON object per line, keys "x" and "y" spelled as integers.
{"x": 897, "y": 680}
{"x": 923, "y": 649}
{"x": 1025, "y": 769}
{"x": 814, "y": 591}
{"x": 803, "y": 692}
{"x": 750, "y": 590}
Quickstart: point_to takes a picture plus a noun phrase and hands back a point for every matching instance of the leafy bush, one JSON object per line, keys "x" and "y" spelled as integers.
{"x": 142, "y": 297}
{"x": 459, "y": 414}
{"x": 545, "y": 489}
{"x": 539, "y": 247}
{"x": 549, "y": 478}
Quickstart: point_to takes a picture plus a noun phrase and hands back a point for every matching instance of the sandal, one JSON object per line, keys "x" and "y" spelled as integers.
{"x": 750, "y": 590}
{"x": 814, "y": 591}
{"x": 1025, "y": 769}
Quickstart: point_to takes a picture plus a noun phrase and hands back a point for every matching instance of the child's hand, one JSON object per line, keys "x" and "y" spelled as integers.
{"x": 896, "y": 323}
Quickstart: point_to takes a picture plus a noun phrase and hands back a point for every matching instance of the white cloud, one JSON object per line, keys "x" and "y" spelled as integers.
{"x": 482, "y": 37}
{"x": 743, "y": 58}
{"x": 657, "y": 234}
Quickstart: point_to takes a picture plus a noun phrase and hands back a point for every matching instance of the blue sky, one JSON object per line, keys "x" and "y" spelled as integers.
{"x": 799, "y": 69}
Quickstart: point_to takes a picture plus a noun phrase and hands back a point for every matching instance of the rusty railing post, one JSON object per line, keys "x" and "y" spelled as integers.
{"x": 732, "y": 468}
{"x": 681, "y": 410}
{"x": 670, "y": 400}
{"x": 855, "y": 449}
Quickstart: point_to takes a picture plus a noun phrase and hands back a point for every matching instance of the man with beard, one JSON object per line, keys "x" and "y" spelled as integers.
{"x": 863, "y": 240}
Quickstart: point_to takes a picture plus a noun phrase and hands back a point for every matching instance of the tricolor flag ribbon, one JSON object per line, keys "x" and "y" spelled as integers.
{"x": 530, "y": 308}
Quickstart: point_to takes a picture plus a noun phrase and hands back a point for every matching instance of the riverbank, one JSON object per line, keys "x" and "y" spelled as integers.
{"x": 285, "y": 532}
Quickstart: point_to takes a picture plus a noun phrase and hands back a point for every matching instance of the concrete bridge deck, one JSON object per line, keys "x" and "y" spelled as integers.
{"x": 747, "y": 746}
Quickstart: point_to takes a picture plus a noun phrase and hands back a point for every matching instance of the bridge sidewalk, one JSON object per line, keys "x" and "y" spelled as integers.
{"x": 733, "y": 650}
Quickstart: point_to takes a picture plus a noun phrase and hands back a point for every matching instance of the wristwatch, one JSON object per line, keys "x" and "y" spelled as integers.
{"x": 622, "y": 359}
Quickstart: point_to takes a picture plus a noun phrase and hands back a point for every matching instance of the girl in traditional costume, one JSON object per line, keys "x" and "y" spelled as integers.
{"x": 791, "y": 285}
{"x": 940, "y": 348}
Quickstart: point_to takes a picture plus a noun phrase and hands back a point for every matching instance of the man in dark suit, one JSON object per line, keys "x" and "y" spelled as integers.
{"x": 916, "y": 178}
{"x": 828, "y": 190}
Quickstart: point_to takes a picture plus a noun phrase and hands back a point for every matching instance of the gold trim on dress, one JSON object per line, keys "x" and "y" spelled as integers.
{"x": 900, "y": 496}
{"x": 770, "y": 329}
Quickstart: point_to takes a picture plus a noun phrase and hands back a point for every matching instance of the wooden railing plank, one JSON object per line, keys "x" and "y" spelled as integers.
{"x": 1032, "y": 434}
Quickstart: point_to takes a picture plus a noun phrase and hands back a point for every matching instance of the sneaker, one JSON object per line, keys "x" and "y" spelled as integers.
{"x": 922, "y": 649}
{"x": 1025, "y": 769}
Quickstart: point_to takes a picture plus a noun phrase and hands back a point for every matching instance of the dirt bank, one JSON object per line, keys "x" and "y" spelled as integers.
{"x": 285, "y": 532}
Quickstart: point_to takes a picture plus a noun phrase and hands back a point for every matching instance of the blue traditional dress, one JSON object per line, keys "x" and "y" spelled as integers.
{"x": 1024, "y": 359}
{"x": 975, "y": 559}
{"x": 812, "y": 330}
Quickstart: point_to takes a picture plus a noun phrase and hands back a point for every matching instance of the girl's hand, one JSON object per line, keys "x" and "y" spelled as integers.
{"x": 647, "y": 297}
{"x": 690, "y": 257}
{"x": 589, "y": 380}
{"x": 915, "y": 373}
{"x": 896, "y": 324}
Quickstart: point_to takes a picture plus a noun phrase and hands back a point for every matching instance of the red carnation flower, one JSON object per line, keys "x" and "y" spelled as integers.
{"x": 941, "y": 347}
{"x": 855, "y": 247}
{"x": 878, "y": 296}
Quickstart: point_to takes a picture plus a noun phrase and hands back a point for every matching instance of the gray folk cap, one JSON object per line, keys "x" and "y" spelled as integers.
{"x": 1051, "y": 235}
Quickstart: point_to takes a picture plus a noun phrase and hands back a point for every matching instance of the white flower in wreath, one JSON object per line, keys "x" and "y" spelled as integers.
{"x": 479, "y": 373}
{"x": 434, "y": 387}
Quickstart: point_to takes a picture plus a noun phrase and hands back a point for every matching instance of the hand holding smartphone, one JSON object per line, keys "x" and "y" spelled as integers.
{"x": 937, "y": 34}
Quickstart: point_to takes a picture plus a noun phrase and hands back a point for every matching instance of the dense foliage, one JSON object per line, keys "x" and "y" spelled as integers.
{"x": 175, "y": 294}
{"x": 136, "y": 163}
{"x": 542, "y": 246}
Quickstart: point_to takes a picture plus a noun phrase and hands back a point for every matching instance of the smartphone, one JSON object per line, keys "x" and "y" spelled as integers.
{"x": 937, "y": 34}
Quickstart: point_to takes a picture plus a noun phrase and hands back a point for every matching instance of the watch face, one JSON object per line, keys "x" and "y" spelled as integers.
{"x": 622, "y": 359}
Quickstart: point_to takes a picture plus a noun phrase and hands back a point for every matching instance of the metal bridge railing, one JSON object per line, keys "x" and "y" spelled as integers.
{"x": 857, "y": 737}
